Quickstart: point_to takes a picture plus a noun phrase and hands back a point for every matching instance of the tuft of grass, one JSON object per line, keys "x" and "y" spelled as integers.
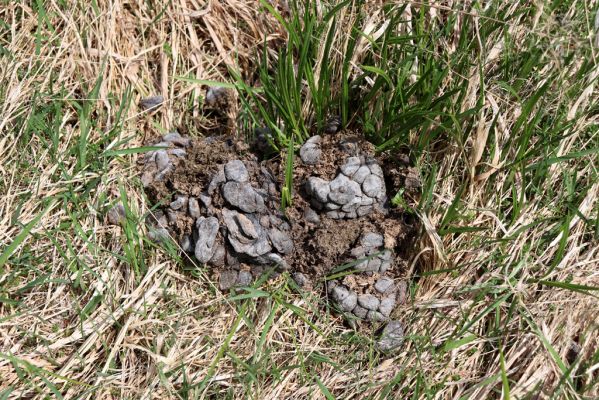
{"x": 300, "y": 85}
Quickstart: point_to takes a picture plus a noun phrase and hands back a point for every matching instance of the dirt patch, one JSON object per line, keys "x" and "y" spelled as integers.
{"x": 222, "y": 205}
{"x": 327, "y": 244}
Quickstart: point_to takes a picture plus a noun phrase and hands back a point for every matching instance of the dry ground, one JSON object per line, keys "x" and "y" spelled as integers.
{"x": 93, "y": 311}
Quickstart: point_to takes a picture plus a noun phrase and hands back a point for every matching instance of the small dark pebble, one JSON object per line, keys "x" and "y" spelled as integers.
{"x": 300, "y": 279}
{"x": 333, "y": 124}
{"x": 151, "y": 102}
{"x": 116, "y": 215}
{"x": 227, "y": 279}
{"x": 262, "y": 142}
{"x": 311, "y": 216}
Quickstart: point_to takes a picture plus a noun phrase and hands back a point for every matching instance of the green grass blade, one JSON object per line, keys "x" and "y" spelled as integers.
{"x": 504, "y": 379}
{"x": 325, "y": 391}
{"x": 10, "y": 249}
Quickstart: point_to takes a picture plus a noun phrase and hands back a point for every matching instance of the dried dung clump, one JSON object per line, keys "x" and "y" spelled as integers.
{"x": 222, "y": 205}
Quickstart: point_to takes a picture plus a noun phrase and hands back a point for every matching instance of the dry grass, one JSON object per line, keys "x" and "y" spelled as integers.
{"x": 95, "y": 312}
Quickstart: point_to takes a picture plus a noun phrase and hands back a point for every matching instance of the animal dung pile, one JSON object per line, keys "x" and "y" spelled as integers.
{"x": 356, "y": 191}
{"x": 236, "y": 224}
{"x": 222, "y": 205}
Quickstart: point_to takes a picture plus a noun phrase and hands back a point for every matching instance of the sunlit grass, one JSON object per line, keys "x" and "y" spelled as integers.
{"x": 495, "y": 104}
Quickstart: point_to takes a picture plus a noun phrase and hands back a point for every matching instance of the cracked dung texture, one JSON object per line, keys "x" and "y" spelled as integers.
{"x": 345, "y": 196}
{"x": 229, "y": 217}
{"x": 357, "y": 190}
{"x": 222, "y": 205}
{"x": 392, "y": 337}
